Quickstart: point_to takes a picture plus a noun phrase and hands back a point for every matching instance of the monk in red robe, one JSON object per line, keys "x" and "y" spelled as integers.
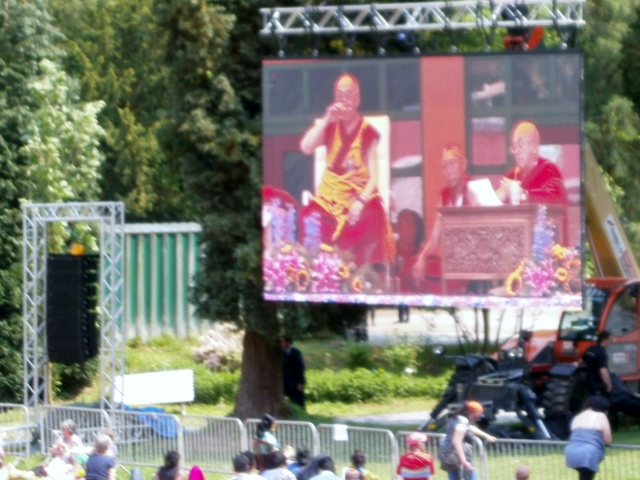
{"x": 533, "y": 179}
{"x": 428, "y": 267}
{"x": 348, "y": 204}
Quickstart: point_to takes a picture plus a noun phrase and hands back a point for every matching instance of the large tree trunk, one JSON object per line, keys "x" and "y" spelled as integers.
{"x": 261, "y": 387}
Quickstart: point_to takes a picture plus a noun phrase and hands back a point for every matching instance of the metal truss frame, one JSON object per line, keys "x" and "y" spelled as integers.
{"x": 405, "y": 17}
{"x": 35, "y": 221}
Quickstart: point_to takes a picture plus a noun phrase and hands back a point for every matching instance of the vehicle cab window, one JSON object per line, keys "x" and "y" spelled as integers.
{"x": 583, "y": 325}
{"x": 623, "y": 317}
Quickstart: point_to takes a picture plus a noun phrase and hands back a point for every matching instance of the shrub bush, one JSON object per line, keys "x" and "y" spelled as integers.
{"x": 399, "y": 357}
{"x": 69, "y": 380}
{"x": 359, "y": 355}
{"x": 215, "y": 388}
{"x": 363, "y": 385}
{"x": 220, "y": 348}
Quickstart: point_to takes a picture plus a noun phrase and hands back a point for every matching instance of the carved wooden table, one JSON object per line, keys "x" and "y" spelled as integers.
{"x": 488, "y": 243}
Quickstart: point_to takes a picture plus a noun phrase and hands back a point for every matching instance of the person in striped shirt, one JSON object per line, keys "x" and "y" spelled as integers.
{"x": 417, "y": 464}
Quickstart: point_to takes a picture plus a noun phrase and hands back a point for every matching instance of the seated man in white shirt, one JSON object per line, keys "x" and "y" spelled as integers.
{"x": 278, "y": 470}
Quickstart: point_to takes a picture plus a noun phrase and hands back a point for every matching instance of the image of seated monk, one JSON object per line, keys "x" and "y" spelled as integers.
{"x": 428, "y": 269}
{"x": 533, "y": 179}
{"x": 348, "y": 204}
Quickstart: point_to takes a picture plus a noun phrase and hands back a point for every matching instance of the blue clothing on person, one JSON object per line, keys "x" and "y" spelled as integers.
{"x": 295, "y": 468}
{"x": 585, "y": 449}
{"x": 98, "y": 467}
{"x": 267, "y": 443}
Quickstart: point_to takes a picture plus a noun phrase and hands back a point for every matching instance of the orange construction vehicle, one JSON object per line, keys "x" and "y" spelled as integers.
{"x": 538, "y": 375}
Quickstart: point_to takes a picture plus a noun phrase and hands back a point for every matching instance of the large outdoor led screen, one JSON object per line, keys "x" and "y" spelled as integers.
{"x": 450, "y": 180}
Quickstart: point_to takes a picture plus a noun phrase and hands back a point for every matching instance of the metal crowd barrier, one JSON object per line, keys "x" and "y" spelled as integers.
{"x": 546, "y": 460}
{"x": 15, "y": 429}
{"x": 379, "y": 445}
{"x": 89, "y": 423}
{"x": 296, "y": 434}
{"x": 211, "y": 443}
{"x": 143, "y": 438}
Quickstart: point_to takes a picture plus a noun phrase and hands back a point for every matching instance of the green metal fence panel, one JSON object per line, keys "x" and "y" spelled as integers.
{"x": 161, "y": 261}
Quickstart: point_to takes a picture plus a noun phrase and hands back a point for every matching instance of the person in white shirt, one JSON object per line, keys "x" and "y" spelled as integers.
{"x": 242, "y": 469}
{"x": 279, "y": 470}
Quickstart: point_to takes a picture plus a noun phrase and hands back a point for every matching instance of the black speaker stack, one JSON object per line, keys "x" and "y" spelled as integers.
{"x": 72, "y": 298}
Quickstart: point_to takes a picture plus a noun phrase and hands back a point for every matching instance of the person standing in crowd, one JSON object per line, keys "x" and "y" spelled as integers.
{"x": 456, "y": 452}
{"x": 602, "y": 381}
{"x": 326, "y": 470}
{"x": 596, "y": 360}
{"x": 253, "y": 467}
{"x": 265, "y": 441}
{"x": 171, "y": 469}
{"x": 303, "y": 457}
{"x": 590, "y": 432}
{"x": 101, "y": 465}
{"x": 358, "y": 461}
{"x": 278, "y": 467}
{"x": 417, "y": 464}
{"x": 293, "y": 371}
{"x": 242, "y": 468}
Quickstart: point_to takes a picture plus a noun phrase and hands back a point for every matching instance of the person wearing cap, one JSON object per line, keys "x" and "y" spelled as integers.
{"x": 416, "y": 464}
{"x": 455, "y": 194}
{"x": 456, "y": 451}
{"x": 533, "y": 179}
{"x": 348, "y": 204}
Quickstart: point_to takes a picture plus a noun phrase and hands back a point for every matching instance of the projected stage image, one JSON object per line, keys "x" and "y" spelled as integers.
{"x": 430, "y": 181}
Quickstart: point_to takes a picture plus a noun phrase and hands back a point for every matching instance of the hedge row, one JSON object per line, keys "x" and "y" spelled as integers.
{"x": 346, "y": 386}
{"x": 362, "y": 385}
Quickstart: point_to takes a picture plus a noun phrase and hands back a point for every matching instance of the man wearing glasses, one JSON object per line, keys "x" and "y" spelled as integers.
{"x": 533, "y": 179}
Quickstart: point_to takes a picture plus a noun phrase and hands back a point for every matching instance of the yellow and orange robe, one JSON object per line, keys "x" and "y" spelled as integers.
{"x": 370, "y": 238}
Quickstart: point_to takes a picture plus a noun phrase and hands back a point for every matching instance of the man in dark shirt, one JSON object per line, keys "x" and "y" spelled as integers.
{"x": 293, "y": 371}
{"x": 602, "y": 381}
{"x": 597, "y": 363}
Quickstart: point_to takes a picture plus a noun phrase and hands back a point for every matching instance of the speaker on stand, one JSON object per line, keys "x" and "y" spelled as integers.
{"x": 72, "y": 294}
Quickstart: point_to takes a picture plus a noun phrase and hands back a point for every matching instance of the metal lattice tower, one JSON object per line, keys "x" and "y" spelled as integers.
{"x": 415, "y": 16}
{"x": 36, "y": 218}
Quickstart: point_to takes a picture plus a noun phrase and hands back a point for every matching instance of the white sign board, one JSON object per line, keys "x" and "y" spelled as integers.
{"x": 175, "y": 386}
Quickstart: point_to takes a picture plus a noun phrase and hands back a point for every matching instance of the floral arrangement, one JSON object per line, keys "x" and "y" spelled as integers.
{"x": 552, "y": 268}
{"x": 312, "y": 267}
{"x": 293, "y": 268}
{"x": 220, "y": 348}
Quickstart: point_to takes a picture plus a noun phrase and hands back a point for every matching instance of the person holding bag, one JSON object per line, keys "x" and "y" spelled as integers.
{"x": 456, "y": 451}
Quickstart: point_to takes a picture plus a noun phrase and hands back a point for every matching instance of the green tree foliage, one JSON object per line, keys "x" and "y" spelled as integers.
{"x": 62, "y": 139}
{"x": 218, "y": 145}
{"x": 117, "y": 50}
{"x": 26, "y": 38}
{"x": 612, "y": 124}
